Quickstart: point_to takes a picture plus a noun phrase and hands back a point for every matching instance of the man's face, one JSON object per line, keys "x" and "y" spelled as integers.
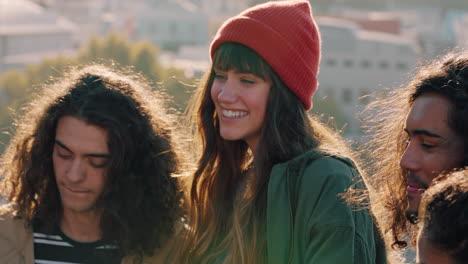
{"x": 80, "y": 159}
{"x": 433, "y": 146}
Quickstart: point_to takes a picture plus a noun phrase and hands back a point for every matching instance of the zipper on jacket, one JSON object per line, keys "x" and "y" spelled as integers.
{"x": 291, "y": 218}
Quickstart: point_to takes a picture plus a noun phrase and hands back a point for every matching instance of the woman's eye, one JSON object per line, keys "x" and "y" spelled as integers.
{"x": 248, "y": 81}
{"x": 218, "y": 76}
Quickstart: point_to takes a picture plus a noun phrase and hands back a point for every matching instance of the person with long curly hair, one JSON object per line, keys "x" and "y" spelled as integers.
{"x": 271, "y": 179}
{"x": 443, "y": 225}
{"x": 419, "y": 131}
{"x": 90, "y": 173}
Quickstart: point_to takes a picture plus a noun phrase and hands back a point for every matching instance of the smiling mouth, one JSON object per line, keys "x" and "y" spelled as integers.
{"x": 414, "y": 185}
{"x": 415, "y": 189}
{"x": 233, "y": 114}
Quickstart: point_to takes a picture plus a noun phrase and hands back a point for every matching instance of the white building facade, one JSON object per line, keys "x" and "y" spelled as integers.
{"x": 356, "y": 63}
{"x": 172, "y": 24}
{"x": 28, "y": 33}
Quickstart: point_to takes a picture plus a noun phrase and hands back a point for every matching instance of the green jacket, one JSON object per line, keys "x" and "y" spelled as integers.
{"x": 308, "y": 222}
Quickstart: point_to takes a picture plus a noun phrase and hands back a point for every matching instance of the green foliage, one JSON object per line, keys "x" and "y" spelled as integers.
{"x": 14, "y": 85}
{"x": 92, "y": 51}
{"x": 114, "y": 50}
{"x": 143, "y": 56}
{"x": 330, "y": 112}
{"x": 17, "y": 85}
{"x": 178, "y": 86}
{"x": 47, "y": 69}
{"x": 14, "y": 88}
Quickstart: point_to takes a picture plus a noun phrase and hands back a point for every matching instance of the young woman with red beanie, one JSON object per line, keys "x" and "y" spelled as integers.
{"x": 270, "y": 180}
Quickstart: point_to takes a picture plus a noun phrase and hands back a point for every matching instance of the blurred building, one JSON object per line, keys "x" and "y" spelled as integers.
{"x": 435, "y": 29}
{"x": 86, "y": 14}
{"x": 172, "y": 23}
{"x": 429, "y": 27}
{"x": 28, "y": 33}
{"x": 461, "y": 29}
{"x": 223, "y": 7}
{"x": 217, "y": 11}
{"x": 357, "y": 62}
{"x": 193, "y": 60}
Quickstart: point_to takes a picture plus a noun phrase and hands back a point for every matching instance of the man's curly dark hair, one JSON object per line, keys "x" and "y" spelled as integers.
{"x": 446, "y": 76}
{"x": 444, "y": 215}
{"x": 141, "y": 200}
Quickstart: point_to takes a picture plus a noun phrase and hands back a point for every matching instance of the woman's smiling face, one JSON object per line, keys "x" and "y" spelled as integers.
{"x": 241, "y": 101}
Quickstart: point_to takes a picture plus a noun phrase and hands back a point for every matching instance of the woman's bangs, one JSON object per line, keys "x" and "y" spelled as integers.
{"x": 236, "y": 56}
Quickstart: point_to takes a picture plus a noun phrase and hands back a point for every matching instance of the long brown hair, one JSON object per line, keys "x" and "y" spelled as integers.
{"x": 222, "y": 226}
{"x": 141, "y": 200}
{"x": 447, "y": 76}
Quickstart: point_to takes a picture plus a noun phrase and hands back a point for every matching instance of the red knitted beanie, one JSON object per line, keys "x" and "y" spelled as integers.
{"x": 285, "y": 35}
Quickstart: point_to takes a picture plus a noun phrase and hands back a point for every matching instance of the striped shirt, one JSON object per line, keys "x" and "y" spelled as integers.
{"x": 57, "y": 248}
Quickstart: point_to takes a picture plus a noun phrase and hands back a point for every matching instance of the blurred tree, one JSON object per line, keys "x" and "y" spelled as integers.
{"x": 115, "y": 48}
{"x": 92, "y": 51}
{"x": 47, "y": 69}
{"x": 14, "y": 90}
{"x": 330, "y": 113}
{"x": 14, "y": 84}
{"x": 143, "y": 57}
{"x": 178, "y": 86}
